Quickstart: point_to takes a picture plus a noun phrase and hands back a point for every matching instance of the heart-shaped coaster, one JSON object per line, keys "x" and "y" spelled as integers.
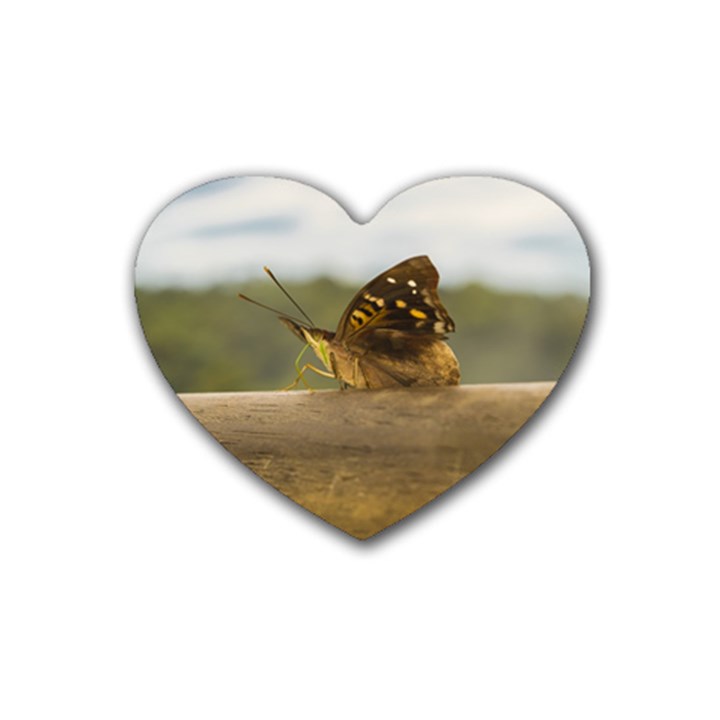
{"x": 479, "y": 295}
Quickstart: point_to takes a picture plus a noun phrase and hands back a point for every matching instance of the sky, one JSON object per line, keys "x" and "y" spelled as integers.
{"x": 490, "y": 230}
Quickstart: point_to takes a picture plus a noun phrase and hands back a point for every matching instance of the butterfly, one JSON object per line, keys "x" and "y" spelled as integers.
{"x": 392, "y": 333}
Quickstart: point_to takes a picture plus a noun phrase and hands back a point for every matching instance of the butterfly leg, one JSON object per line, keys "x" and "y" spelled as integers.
{"x": 301, "y": 376}
{"x": 301, "y": 372}
{"x": 344, "y": 385}
{"x": 357, "y": 372}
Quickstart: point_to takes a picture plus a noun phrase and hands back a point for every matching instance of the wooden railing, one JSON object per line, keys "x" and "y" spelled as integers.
{"x": 364, "y": 459}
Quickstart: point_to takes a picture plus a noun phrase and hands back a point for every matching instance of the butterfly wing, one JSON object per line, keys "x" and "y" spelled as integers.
{"x": 415, "y": 360}
{"x": 403, "y": 298}
{"x": 390, "y": 358}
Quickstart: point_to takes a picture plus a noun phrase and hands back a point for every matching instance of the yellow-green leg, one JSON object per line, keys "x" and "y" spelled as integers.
{"x": 301, "y": 372}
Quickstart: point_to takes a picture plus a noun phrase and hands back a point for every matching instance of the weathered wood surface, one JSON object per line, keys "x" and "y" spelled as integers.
{"x": 364, "y": 459}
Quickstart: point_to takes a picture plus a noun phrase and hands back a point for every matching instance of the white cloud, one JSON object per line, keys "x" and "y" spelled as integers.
{"x": 473, "y": 228}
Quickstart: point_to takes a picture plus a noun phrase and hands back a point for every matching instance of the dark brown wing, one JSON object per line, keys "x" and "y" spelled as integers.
{"x": 403, "y": 298}
{"x": 390, "y": 358}
{"x": 421, "y": 361}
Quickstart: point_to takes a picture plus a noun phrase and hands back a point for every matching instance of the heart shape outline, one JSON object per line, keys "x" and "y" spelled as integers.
{"x": 352, "y": 484}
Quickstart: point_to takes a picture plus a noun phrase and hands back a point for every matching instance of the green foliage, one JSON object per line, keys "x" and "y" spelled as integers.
{"x": 210, "y": 340}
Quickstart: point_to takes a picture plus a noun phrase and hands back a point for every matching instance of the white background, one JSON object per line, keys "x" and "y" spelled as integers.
{"x": 145, "y": 575}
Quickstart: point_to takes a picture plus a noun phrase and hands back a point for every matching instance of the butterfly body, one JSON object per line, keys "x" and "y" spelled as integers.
{"x": 391, "y": 334}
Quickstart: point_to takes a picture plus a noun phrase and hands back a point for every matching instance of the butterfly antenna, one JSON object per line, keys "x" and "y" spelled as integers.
{"x": 288, "y": 295}
{"x": 271, "y": 309}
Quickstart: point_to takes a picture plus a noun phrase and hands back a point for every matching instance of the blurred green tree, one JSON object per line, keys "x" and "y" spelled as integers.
{"x": 209, "y": 340}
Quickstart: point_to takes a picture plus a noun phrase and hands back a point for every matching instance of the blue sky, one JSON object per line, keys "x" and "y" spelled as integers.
{"x": 482, "y": 229}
